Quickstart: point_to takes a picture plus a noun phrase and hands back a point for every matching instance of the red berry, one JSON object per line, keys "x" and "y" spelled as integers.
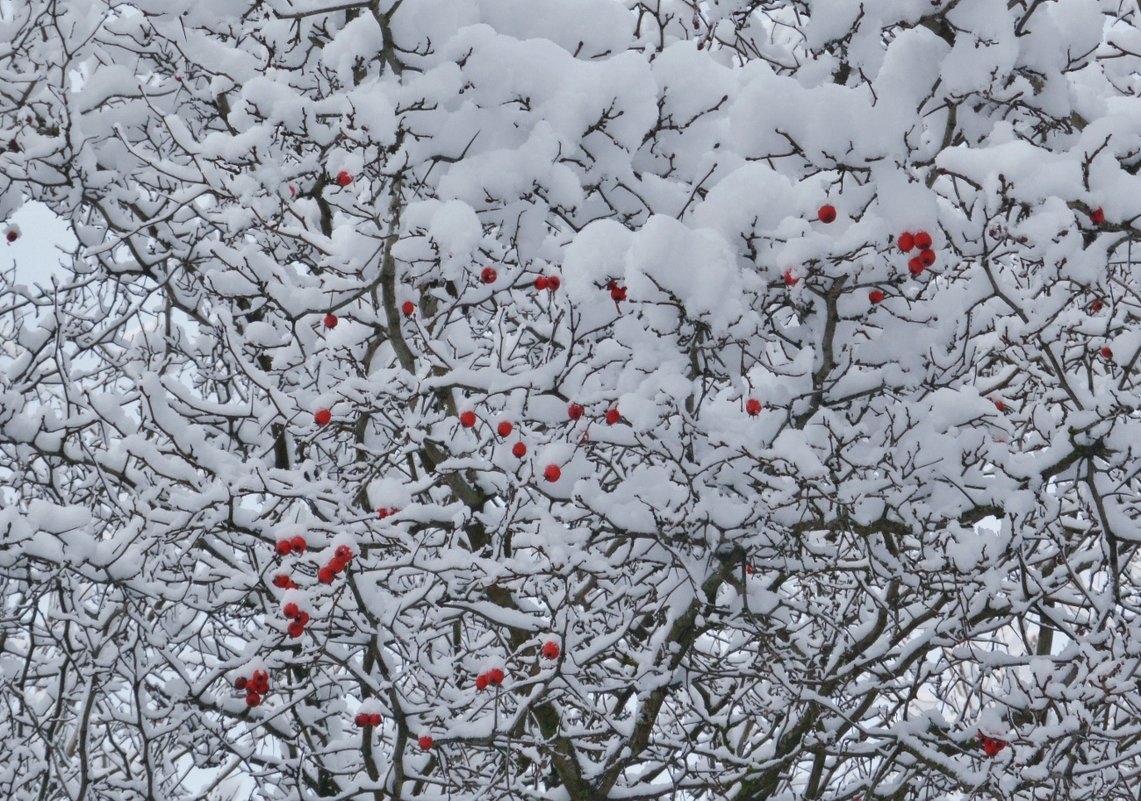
{"x": 374, "y": 719}
{"x": 541, "y": 282}
{"x": 1001, "y": 406}
{"x": 295, "y": 629}
{"x": 826, "y": 214}
{"x": 283, "y": 548}
{"x": 992, "y": 745}
{"x": 389, "y": 512}
{"x": 361, "y": 719}
{"x": 252, "y": 699}
{"x": 481, "y": 681}
{"x": 297, "y": 544}
{"x": 240, "y": 683}
{"x": 1096, "y": 306}
{"x": 322, "y": 417}
{"x": 504, "y": 429}
{"x": 612, "y": 416}
{"x": 261, "y": 682}
{"x": 290, "y": 610}
{"x": 409, "y": 308}
{"x": 1106, "y": 353}
{"x": 922, "y": 240}
{"x": 876, "y": 296}
{"x": 915, "y": 266}
{"x": 12, "y": 236}
{"x": 750, "y": 570}
{"x": 488, "y": 275}
{"x": 330, "y": 321}
{"x": 550, "y": 650}
{"x": 617, "y": 293}
{"x": 553, "y": 283}
{"x": 344, "y": 553}
{"x": 495, "y": 677}
{"x": 906, "y": 242}
{"x": 425, "y": 742}
{"x": 1097, "y": 216}
{"x": 552, "y": 473}
{"x": 338, "y": 565}
{"x": 790, "y": 278}
{"x": 519, "y": 450}
{"x": 326, "y": 575}
{"x": 283, "y": 581}
{"x": 343, "y": 178}
{"x": 753, "y": 407}
{"x": 927, "y": 257}
{"x": 575, "y": 411}
{"x": 467, "y": 419}
{"x": 302, "y": 618}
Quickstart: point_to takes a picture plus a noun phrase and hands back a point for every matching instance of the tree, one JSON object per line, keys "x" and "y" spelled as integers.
{"x": 815, "y": 325}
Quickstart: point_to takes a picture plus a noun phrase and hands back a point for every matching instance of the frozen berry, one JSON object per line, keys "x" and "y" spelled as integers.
{"x": 826, "y": 214}
{"x": 876, "y": 296}
{"x": 753, "y": 407}
{"x": 906, "y": 242}
{"x": 518, "y": 450}
{"x": 504, "y": 429}
{"x": 488, "y": 275}
{"x": 552, "y": 473}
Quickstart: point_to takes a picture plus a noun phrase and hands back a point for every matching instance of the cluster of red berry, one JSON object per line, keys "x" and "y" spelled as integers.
{"x": 341, "y": 558}
{"x": 617, "y": 293}
{"x": 384, "y": 512}
{"x": 548, "y": 282}
{"x": 492, "y": 678}
{"x": 291, "y": 545}
{"x": 922, "y": 241}
{"x": 256, "y": 686}
{"x": 368, "y": 719}
{"x": 297, "y": 617}
{"x": 991, "y": 745}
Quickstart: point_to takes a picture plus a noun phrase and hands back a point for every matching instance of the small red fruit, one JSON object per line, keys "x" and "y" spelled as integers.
{"x": 298, "y": 544}
{"x": 343, "y": 553}
{"x": 361, "y": 719}
{"x": 322, "y": 417}
{"x": 330, "y": 321}
{"x": 518, "y": 450}
{"x": 612, "y": 416}
{"x": 1097, "y": 216}
{"x": 290, "y": 610}
{"x": 283, "y": 548}
{"x": 617, "y": 293}
{"x": 922, "y": 240}
{"x": 1000, "y": 405}
{"x": 12, "y": 236}
{"x": 343, "y": 178}
{"x": 553, "y": 283}
{"x": 927, "y": 257}
{"x": 991, "y": 745}
{"x": 260, "y": 681}
{"x": 753, "y": 407}
{"x": 252, "y": 699}
{"x": 504, "y": 429}
{"x": 552, "y": 473}
{"x": 295, "y": 629}
{"x": 326, "y": 575}
{"x": 425, "y": 742}
{"x": 876, "y": 296}
{"x": 790, "y": 278}
{"x": 495, "y": 677}
{"x": 467, "y": 419}
{"x": 389, "y": 512}
{"x": 1096, "y": 306}
{"x": 915, "y": 266}
{"x": 826, "y": 214}
{"x": 302, "y": 618}
{"x": 1107, "y": 352}
{"x": 481, "y": 681}
{"x": 240, "y": 683}
{"x": 541, "y": 282}
{"x": 374, "y": 719}
{"x": 488, "y": 275}
{"x": 575, "y": 411}
{"x": 284, "y": 582}
{"x": 409, "y": 308}
{"x": 750, "y": 570}
{"x": 550, "y": 650}
{"x": 906, "y": 242}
